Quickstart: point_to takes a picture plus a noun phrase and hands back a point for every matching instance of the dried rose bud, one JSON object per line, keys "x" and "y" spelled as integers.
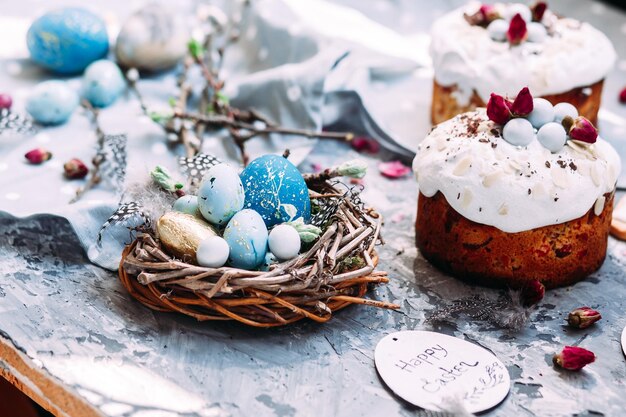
{"x": 5, "y": 101}
{"x": 523, "y": 103}
{"x": 517, "y": 32}
{"x": 499, "y": 109}
{"x": 365, "y": 144}
{"x": 583, "y": 317}
{"x": 38, "y": 156}
{"x": 583, "y": 130}
{"x": 573, "y": 358}
{"x": 538, "y": 9}
{"x": 567, "y": 123}
{"x": 533, "y": 292}
{"x": 393, "y": 169}
{"x": 622, "y": 96}
{"x": 75, "y": 169}
{"x": 489, "y": 13}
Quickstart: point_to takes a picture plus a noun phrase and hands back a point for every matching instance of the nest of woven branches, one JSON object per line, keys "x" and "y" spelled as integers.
{"x": 333, "y": 272}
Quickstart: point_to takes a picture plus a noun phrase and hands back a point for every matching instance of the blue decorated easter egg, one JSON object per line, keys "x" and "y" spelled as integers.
{"x": 246, "y": 236}
{"x": 67, "y": 40}
{"x": 103, "y": 83}
{"x": 187, "y": 204}
{"x": 52, "y": 102}
{"x": 221, "y": 194}
{"x": 276, "y": 190}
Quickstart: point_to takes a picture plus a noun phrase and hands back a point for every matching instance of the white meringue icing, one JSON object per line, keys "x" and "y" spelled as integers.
{"x": 575, "y": 55}
{"x": 489, "y": 181}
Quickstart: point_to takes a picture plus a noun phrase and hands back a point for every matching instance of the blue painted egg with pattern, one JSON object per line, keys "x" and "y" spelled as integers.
{"x": 65, "y": 41}
{"x": 246, "y": 236}
{"x": 52, "y": 102}
{"x": 220, "y": 194}
{"x": 103, "y": 83}
{"x": 276, "y": 190}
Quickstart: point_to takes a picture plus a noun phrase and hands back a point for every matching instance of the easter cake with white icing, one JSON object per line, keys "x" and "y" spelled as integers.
{"x": 518, "y": 191}
{"x": 481, "y": 48}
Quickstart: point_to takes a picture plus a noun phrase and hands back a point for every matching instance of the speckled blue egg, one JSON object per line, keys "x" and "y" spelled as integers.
{"x": 272, "y": 184}
{"x": 221, "y": 194}
{"x": 187, "y": 204}
{"x": 67, "y": 40}
{"x": 246, "y": 236}
{"x": 103, "y": 83}
{"x": 52, "y": 102}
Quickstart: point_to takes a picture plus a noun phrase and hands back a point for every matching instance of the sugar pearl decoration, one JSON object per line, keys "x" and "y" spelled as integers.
{"x": 187, "y": 204}
{"x": 543, "y": 112}
{"x": 212, "y": 252}
{"x": 497, "y": 30}
{"x": 518, "y": 132}
{"x": 564, "y": 109}
{"x": 284, "y": 242}
{"x": 552, "y": 136}
{"x": 512, "y": 9}
{"x": 536, "y": 32}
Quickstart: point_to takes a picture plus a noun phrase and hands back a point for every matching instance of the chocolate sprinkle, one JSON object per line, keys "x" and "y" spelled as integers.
{"x": 547, "y": 164}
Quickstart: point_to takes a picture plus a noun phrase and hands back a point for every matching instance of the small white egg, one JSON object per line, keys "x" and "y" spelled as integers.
{"x": 512, "y": 9}
{"x": 536, "y": 32}
{"x": 284, "y": 242}
{"x": 212, "y": 252}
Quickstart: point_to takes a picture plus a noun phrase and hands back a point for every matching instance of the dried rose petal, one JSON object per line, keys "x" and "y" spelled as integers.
{"x": 517, "y": 32}
{"x": 75, "y": 169}
{"x": 622, "y": 96}
{"x": 523, "y": 103}
{"x": 5, "y": 101}
{"x": 499, "y": 109}
{"x": 583, "y": 130}
{"x": 538, "y": 9}
{"x": 483, "y": 16}
{"x": 573, "y": 358}
{"x": 489, "y": 13}
{"x": 365, "y": 144}
{"x": 533, "y": 292}
{"x": 38, "y": 156}
{"x": 393, "y": 169}
{"x": 583, "y": 317}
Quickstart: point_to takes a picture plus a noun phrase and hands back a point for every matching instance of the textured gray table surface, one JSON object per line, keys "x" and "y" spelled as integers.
{"x": 75, "y": 323}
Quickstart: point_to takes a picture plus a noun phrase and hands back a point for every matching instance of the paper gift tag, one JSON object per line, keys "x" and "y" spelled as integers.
{"x": 429, "y": 369}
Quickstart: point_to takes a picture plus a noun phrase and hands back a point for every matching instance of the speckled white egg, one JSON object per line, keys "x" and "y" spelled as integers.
{"x": 221, "y": 194}
{"x": 284, "y": 242}
{"x": 187, "y": 204}
{"x": 213, "y": 252}
{"x": 153, "y": 39}
{"x": 52, "y": 102}
{"x": 103, "y": 83}
{"x": 246, "y": 236}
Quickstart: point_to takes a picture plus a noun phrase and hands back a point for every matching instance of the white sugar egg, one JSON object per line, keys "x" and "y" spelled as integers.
{"x": 212, "y": 252}
{"x": 284, "y": 242}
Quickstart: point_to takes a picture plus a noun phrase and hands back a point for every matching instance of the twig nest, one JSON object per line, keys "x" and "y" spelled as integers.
{"x": 213, "y": 252}
{"x": 246, "y": 236}
{"x": 276, "y": 190}
{"x": 181, "y": 234}
{"x": 221, "y": 194}
{"x": 152, "y": 39}
{"x": 284, "y": 242}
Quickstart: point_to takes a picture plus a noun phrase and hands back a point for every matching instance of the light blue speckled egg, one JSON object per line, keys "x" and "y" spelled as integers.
{"x": 221, "y": 194}
{"x": 52, "y": 102}
{"x": 274, "y": 187}
{"x": 187, "y": 204}
{"x": 103, "y": 83}
{"x": 67, "y": 40}
{"x": 246, "y": 236}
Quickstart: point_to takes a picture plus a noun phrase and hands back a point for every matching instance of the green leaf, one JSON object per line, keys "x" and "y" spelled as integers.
{"x": 222, "y": 97}
{"x": 195, "y": 49}
{"x": 172, "y": 102}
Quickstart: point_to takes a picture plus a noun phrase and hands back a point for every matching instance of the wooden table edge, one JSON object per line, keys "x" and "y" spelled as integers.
{"x": 39, "y": 385}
